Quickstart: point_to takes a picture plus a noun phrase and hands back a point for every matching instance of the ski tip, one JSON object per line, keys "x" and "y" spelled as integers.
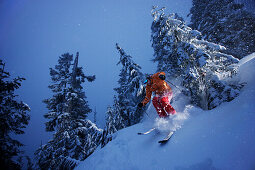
{"x": 139, "y": 133}
{"x": 162, "y": 141}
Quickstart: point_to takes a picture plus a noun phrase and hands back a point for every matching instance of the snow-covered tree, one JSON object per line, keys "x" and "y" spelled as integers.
{"x": 13, "y": 118}
{"x": 95, "y": 116}
{"x": 110, "y": 126}
{"x": 248, "y": 4}
{"x": 225, "y": 22}
{"x": 131, "y": 90}
{"x": 203, "y": 67}
{"x": 75, "y": 137}
{"x": 114, "y": 121}
{"x": 110, "y": 121}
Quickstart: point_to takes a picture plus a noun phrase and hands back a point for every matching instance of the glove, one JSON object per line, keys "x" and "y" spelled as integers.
{"x": 140, "y": 105}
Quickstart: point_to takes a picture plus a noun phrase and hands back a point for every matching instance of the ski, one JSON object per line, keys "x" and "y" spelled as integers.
{"x": 145, "y": 133}
{"x": 167, "y": 137}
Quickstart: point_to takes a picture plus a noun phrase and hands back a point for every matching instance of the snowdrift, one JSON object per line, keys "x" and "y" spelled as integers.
{"x": 223, "y": 138}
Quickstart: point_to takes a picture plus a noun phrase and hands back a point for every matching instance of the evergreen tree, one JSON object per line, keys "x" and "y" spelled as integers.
{"x": 95, "y": 116}
{"x": 119, "y": 122}
{"x": 13, "y": 118}
{"x": 114, "y": 121}
{"x": 203, "y": 67}
{"x": 110, "y": 121}
{"x": 75, "y": 137}
{"x": 227, "y": 23}
{"x": 131, "y": 90}
{"x": 110, "y": 126}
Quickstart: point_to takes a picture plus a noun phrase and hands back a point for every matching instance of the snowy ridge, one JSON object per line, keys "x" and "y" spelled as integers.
{"x": 222, "y": 138}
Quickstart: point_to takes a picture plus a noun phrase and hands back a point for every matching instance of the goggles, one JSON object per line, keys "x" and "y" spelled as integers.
{"x": 147, "y": 78}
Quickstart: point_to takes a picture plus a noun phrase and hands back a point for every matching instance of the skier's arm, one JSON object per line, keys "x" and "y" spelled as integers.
{"x": 148, "y": 95}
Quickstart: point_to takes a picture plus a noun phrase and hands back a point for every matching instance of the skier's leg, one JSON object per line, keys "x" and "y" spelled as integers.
{"x": 156, "y": 103}
{"x": 165, "y": 103}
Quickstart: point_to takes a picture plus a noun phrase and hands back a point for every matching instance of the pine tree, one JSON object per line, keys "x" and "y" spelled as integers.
{"x": 95, "y": 116}
{"x": 227, "y": 23}
{"x": 131, "y": 90}
{"x": 13, "y": 116}
{"x": 110, "y": 121}
{"x": 75, "y": 137}
{"x": 110, "y": 126}
{"x": 202, "y": 66}
{"x": 114, "y": 121}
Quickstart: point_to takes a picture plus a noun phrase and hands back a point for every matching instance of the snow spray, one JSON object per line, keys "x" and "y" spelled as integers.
{"x": 173, "y": 122}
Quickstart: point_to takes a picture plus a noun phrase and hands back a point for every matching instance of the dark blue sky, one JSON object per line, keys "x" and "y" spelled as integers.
{"x": 34, "y": 33}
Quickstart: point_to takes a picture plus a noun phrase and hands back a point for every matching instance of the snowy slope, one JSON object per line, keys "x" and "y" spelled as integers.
{"x": 222, "y": 138}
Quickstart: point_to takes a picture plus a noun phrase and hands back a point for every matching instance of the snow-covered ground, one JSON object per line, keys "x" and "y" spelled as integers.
{"x": 223, "y": 138}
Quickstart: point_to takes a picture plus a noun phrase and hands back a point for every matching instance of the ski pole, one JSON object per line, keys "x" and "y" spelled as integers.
{"x": 174, "y": 85}
{"x": 147, "y": 114}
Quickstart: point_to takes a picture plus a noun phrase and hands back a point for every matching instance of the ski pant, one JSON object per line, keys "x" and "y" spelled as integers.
{"x": 162, "y": 104}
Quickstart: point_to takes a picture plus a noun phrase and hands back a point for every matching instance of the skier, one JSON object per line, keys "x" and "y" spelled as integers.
{"x": 163, "y": 94}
